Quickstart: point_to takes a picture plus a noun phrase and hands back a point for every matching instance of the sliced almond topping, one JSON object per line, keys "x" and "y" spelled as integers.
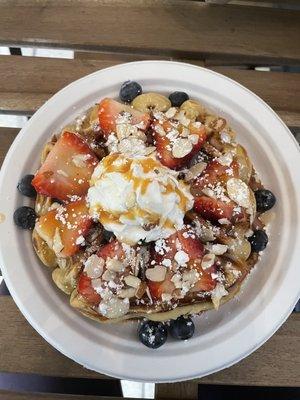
{"x": 216, "y": 295}
{"x": 129, "y": 293}
{"x": 218, "y": 249}
{"x": 194, "y": 139}
{"x": 108, "y": 275}
{"x": 225, "y": 159}
{"x": 208, "y": 260}
{"x": 177, "y": 280}
{"x": 171, "y": 112}
{"x": 123, "y": 130}
{"x": 185, "y": 132}
{"x": 181, "y": 147}
{"x": 182, "y": 118}
{"x": 239, "y": 192}
{"x": 140, "y": 291}
{"x": 156, "y": 274}
{"x": 114, "y": 265}
{"x": 132, "y": 281}
{"x": 94, "y": 266}
{"x": 195, "y": 171}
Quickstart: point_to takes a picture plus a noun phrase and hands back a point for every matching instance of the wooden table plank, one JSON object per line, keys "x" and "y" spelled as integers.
{"x": 7, "y": 135}
{"x": 5, "y": 395}
{"x": 29, "y": 353}
{"x": 276, "y": 363}
{"x": 176, "y": 27}
{"x": 27, "y": 82}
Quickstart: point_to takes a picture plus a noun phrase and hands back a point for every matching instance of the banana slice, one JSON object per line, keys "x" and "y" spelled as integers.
{"x": 43, "y": 251}
{"x": 193, "y": 109}
{"x": 151, "y": 102}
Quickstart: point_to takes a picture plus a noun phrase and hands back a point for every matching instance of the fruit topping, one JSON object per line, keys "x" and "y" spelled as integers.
{"x": 152, "y": 334}
{"x": 25, "y": 187}
{"x": 67, "y": 169}
{"x": 129, "y": 91}
{"x": 24, "y": 217}
{"x": 182, "y": 328}
{"x": 178, "y": 98}
{"x": 265, "y": 200}
{"x": 258, "y": 240}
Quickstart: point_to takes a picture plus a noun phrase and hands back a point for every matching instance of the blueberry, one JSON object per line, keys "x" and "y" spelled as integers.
{"x": 258, "y": 240}
{"x": 182, "y": 328}
{"x": 177, "y": 98}
{"x": 265, "y": 200}
{"x": 25, "y": 186}
{"x": 25, "y": 217}
{"x": 129, "y": 90}
{"x": 152, "y": 334}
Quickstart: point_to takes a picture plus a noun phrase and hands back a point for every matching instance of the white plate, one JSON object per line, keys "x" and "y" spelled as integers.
{"x": 222, "y": 338}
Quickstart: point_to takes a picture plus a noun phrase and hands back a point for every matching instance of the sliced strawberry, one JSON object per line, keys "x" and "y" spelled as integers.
{"x": 214, "y": 173}
{"x": 164, "y": 143}
{"x": 66, "y": 224}
{"x": 191, "y": 244}
{"x": 158, "y": 288}
{"x": 86, "y": 289}
{"x": 164, "y": 249}
{"x": 67, "y": 168}
{"x": 110, "y": 110}
{"x": 214, "y": 210}
{"x": 206, "y": 282}
{"x": 112, "y": 249}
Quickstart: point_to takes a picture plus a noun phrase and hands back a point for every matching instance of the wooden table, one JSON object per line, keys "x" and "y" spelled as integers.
{"x": 231, "y": 39}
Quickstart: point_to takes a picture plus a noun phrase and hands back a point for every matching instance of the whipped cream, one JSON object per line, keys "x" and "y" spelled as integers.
{"x": 137, "y": 198}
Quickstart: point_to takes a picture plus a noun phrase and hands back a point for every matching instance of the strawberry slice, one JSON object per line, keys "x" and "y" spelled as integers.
{"x": 86, "y": 289}
{"x": 164, "y": 143}
{"x": 112, "y": 249}
{"x": 110, "y": 110}
{"x": 63, "y": 227}
{"x": 214, "y": 210}
{"x": 214, "y": 173}
{"x": 206, "y": 282}
{"x": 190, "y": 244}
{"x": 67, "y": 168}
{"x": 158, "y": 288}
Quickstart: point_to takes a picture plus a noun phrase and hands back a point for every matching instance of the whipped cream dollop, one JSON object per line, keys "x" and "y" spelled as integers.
{"x": 137, "y": 198}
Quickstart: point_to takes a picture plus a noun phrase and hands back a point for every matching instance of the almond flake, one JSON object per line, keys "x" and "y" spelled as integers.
{"x": 129, "y": 293}
{"x": 216, "y": 295}
{"x": 57, "y": 243}
{"x": 171, "y": 112}
{"x": 181, "y": 147}
{"x": 108, "y": 275}
{"x": 114, "y": 265}
{"x": 218, "y": 249}
{"x": 166, "y": 297}
{"x": 114, "y": 307}
{"x": 156, "y": 274}
{"x": 195, "y": 171}
{"x": 124, "y": 130}
{"x": 132, "y": 281}
{"x": 194, "y": 139}
{"x": 93, "y": 266}
{"x": 208, "y": 260}
{"x": 239, "y": 192}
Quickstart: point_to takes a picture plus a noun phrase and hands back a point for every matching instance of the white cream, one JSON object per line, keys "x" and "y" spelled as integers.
{"x": 138, "y": 198}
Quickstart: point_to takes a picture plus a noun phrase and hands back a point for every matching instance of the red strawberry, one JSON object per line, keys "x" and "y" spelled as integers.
{"x": 214, "y": 173}
{"x": 158, "y": 288}
{"x": 71, "y": 221}
{"x": 110, "y": 110}
{"x": 111, "y": 250}
{"x": 86, "y": 289}
{"x": 206, "y": 282}
{"x": 214, "y": 210}
{"x": 164, "y": 144}
{"x": 67, "y": 168}
{"x": 190, "y": 244}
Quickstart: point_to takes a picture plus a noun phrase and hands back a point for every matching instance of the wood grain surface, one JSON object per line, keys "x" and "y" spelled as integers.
{"x": 5, "y": 395}
{"x": 7, "y": 135}
{"x": 27, "y": 82}
{"x": 174, "y": 27}
{"x": 276, "y": 363}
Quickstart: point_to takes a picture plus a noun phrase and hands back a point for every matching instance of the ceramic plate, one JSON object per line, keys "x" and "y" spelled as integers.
{"x": 222, "y": 338}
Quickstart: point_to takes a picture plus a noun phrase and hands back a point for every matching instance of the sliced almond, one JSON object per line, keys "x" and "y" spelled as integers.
{"x": 195, "y": 171}
{"x": 208, "y": 260}
{"x": 239, "y": 192}
{"x": 140, "y": 291}
{"x": 108, "y": 275}
{"x": 218, "y": 249}
{"x": 194, "y": 139}
{"x": 132, "y": 281}
{"x": 181, "y": 147}
{"x": 216, "y": 295}
{"x": 57, "y": 243}
{"x": 160, "y": 130}
{"x": 94, "y": 266}
{"x": 177, "y": 280}
{"x": 182, "y": 118}
{"x": 128, "y": 292}
{"x": 171, "y": 112}
{"x": 156, "y": 274}
{"x": 123, "y": 130}
{"x": 166, "y": 297}
{"x": 114, "y": 265}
